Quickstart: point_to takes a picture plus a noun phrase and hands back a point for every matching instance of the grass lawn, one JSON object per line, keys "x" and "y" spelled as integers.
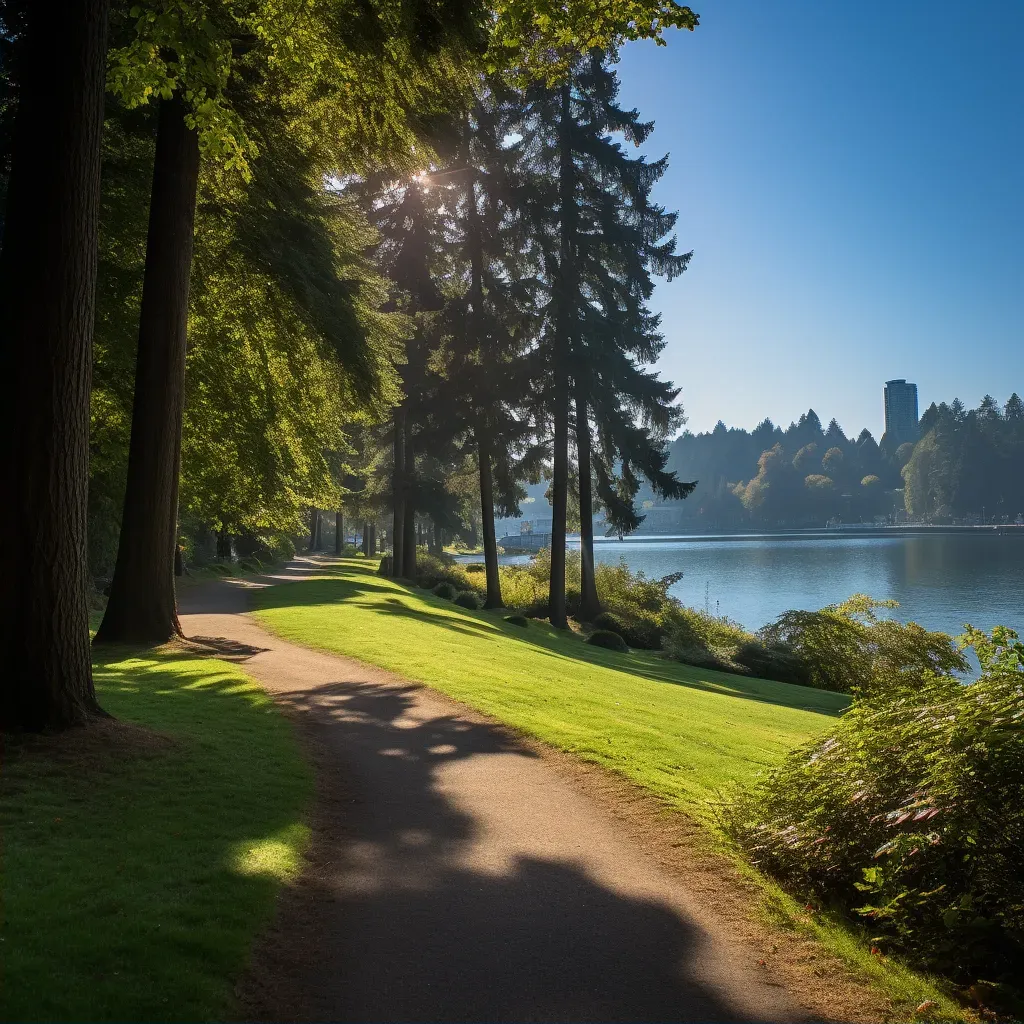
{"x": 140, "y": 862}
{"x": 679, "y": 731}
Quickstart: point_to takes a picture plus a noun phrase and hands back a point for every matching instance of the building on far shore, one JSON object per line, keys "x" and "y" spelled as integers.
{"x": 900, "y": 400}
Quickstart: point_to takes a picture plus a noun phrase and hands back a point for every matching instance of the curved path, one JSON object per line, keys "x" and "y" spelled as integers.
{"x": 456, "y": 876}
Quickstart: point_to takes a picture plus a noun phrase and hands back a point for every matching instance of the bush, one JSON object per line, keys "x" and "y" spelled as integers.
{"x": 779, "y": 662}
{"x": 641, "y": 630}
{"x": 708, "y": 641}
{"x": 468, "y": 599}
{"x": 434, "y": 569}
{"x": 475, "y": 567}
{"x": 446, "y": 590}
{"x": 847, "y": 648}
{"x": 910, "y": 814}
{"x": 384, "y": 569}
{"x": 606, "y": 638}
{"x": 518, "y": 620}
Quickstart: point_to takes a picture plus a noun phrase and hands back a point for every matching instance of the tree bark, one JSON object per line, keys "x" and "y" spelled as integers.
{"x": 560, "y": 365}
{"x": 339, "y": 533}
{"x": 364, "y": 543}
{"x": 398, "y": 490}
{"x": 318, "y": 538}
{"x": 142, "y": 603}
{"x": 373, "y": 538}
{"x": 590, "y": 604}
{"x": 493, "y": 599}
{"x": 409, "y": 527}
{"x": 47, "y": 302}
{"x": 314, "y": 522}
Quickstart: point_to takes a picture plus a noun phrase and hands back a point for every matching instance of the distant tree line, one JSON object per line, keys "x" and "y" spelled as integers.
{"x": 967, "y": 463}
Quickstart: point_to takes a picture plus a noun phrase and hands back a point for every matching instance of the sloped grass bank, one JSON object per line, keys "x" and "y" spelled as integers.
{"x": 680, "y": 731}
{"x": 142, "y": 856}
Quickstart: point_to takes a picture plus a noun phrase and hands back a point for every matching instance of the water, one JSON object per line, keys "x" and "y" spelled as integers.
{"x": 940, "y": 580}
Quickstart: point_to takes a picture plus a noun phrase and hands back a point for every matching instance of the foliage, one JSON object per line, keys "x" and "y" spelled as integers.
{"x": 847, "y": 648}
{"x": 446, "y": 591}
{"x": 606, "y": 638}
{"x": 909, "y": 814}
{"x": 517, "y": 620}
{"x": 468, "y": 599}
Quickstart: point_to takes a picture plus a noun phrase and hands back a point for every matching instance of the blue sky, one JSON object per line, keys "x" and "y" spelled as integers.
{"x": 851, "y": 180}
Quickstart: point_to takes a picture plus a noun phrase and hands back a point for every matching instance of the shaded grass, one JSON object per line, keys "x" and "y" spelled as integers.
{"x": 140, "y": 862}
{"x": 682, "y": 732}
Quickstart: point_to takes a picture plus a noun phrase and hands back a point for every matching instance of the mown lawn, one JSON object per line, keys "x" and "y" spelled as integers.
{"x": 682, "y": 732}
{"x": 140, "y": 863}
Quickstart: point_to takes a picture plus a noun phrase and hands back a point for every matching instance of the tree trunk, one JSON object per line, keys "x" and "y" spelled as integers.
{"x": 493, "y": 599}
{"x": 339, "y": 533}
{"x": 318, "y": 537}
{"x": 47, "y": 296}
{"x": 223, "y": 544}
{"x": 398, "y": 490}
{"x": 590, "y": 604}
{"x": 142, "y": 605}
{"x": 364, "y": 539}
{"x": 373, "y": 538}
{"x": 314, "y": 522}
{"x": 563, "y": 342}
{"x": 409, "y": 541}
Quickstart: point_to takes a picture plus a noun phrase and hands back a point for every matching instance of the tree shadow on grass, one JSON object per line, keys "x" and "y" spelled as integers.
{"x": 430, "y": 898}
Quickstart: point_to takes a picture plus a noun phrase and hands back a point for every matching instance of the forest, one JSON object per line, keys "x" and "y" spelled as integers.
{"x": 968, "y": 465}
{"x": 269, "y": 261}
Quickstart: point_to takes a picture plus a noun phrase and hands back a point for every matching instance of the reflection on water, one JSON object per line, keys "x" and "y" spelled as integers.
{"x": 941, "y": 581}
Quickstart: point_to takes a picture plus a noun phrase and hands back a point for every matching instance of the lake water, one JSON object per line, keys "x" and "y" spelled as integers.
{"x": 940, "y": 580}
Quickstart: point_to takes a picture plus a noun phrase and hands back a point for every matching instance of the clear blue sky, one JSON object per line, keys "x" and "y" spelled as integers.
{"x": 851, "y": 180}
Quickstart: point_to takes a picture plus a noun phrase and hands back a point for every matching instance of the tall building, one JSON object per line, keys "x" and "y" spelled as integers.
{"x": 900, "y": 399}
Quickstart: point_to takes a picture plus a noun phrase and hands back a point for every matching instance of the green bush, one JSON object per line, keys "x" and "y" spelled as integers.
{"x": 778, "y": 662}
{"x": 606, "y": 638}
{"x": 518, "y": 620}
{"x": 847, "y": 648}
{"x": 910, "y": 814}
{"x": 434, "y": 569}
{"x": 707, "y": 641}
{"x": 384, "y": 569}
{"x": 468, "y": 599}
{"x": 446, "y": 590}
{"x": 475, "y": 567}
{"x": 639, "y": 629}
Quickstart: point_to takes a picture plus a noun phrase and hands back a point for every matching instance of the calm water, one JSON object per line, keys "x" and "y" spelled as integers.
{"x": 940, "y": 581}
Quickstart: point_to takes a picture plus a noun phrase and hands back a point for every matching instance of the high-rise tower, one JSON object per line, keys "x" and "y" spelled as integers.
{"x": 900, "y": 399}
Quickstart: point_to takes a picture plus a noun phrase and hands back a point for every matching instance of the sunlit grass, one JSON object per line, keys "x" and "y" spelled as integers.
{"x": 137, "y": 872}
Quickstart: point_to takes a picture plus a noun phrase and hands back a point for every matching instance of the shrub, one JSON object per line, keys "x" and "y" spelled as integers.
{"x": 468, "y": 599}
{"x": 606, "y": 638}
{"x": 446, "y": 590}
{"x": 641, "y": 630}
{"x": 707, "y": 641}
{"x": 434, "y": 569}
{"x": 384, "y": 569}
{"x": 779, "y": 662}
{"x": 846, "y": 647}
{"x": 518, "y": 620}
{"x": 910, "y": 814}
{"x": 475, "y": 567}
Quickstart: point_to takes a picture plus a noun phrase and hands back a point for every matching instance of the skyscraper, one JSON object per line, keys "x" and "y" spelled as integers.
{"x": 900, "y": 399}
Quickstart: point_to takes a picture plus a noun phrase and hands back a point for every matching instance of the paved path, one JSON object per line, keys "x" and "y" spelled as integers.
{"x": 458, "y": 877}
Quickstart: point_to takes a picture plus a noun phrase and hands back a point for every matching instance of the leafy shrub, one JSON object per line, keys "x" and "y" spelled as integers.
{"x": 520, "y": 589}
{"x": 475, "y": 567}
{"x": 446, "y": 590}
{"x": 468, "y": 599}
{"x": 708, "y": 641}
{"x": 434, "y": 569}
{"x": 847, "y": 648}
{"x": 384, "y": 569}
{"x": 518, "y": 620}
{"x": 641, "y": 630}
{"x": 779, "y": 662}
{"x": 606, "y": 638}
{"x": 910, "y": 814}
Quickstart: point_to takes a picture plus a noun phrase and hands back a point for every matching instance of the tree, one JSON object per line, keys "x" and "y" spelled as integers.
{"x": 610, "y": 240}
{"x": 47, "y": 295}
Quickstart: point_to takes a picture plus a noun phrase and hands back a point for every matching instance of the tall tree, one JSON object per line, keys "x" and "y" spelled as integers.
{"x": 47, "y": 294}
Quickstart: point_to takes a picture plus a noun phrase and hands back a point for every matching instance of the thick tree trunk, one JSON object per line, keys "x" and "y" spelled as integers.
{"x": 563, "y": 342}
{"x": 373, "y": 538}
{"x": 339, "y": 533}
{"x": 409, "y": 542}
{"x": 318, "y": 537}
{"x": 493, "y": 599}
{"x": 590, "y": 605}
{"x": 142, "y": 604}
{"x": 47, "y": 296}
{"x": 398, "y": 490}
{"x": 365, "y": 538}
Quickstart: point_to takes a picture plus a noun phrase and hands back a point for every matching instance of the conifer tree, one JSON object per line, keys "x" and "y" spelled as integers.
{"x": 610, "y": 240}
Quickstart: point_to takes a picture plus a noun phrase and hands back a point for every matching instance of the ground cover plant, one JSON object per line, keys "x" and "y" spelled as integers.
{"x": 909, "y": 815}
{"x": 143, "y": 855}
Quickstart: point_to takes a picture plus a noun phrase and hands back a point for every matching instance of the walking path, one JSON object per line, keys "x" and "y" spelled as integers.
{"x": 457, "y": 876}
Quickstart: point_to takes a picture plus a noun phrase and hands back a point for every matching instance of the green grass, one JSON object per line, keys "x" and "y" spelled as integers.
{"x": 137, "y": 873}
{"x": 682, "y": 732}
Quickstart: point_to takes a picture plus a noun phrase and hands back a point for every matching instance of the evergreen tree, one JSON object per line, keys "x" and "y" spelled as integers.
{"x": 611, "y": 238}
